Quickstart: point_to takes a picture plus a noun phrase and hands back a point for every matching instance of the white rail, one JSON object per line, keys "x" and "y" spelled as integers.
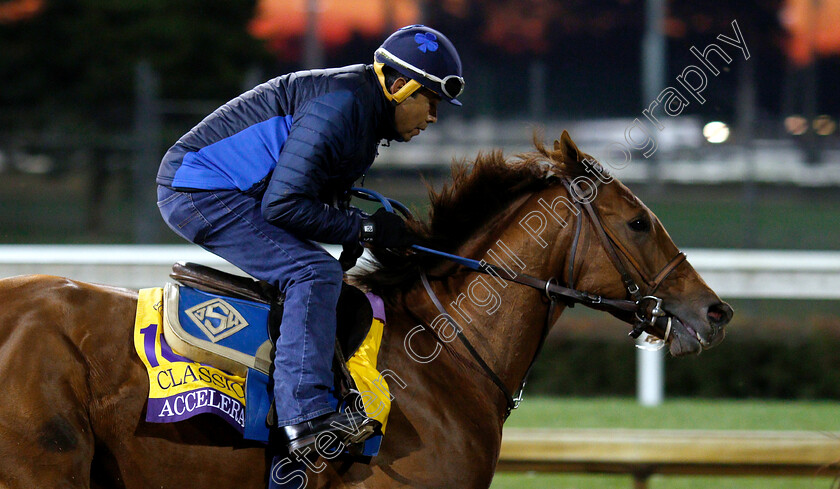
{"x": 643, "y": 453}
{"x": 731, "y": 273}
{"x": 769, "y": 274}
{"x": 132, "y": 266}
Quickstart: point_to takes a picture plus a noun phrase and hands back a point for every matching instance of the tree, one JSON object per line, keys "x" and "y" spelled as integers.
{"x": 79, "y": 55}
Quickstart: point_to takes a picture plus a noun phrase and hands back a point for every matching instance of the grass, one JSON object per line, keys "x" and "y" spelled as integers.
{"x": 677, "y": 414}
{"x": 674, "y": 414}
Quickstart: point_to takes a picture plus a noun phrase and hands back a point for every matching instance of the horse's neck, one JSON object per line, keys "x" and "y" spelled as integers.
{"x": 503, "y": 320}
{"x": 446, "y": 395}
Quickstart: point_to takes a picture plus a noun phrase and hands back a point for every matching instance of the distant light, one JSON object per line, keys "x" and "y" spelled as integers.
{"x": 34, "y": 164}
{"x": 796, "y": 125}
{"x": 824, "y": 125}
{"x": 716, "y": 132}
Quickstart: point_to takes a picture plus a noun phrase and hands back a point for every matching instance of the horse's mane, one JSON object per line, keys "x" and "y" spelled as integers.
{"x": 478, "y": 191}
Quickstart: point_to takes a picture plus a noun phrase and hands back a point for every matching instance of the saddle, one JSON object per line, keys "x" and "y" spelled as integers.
{"x": 257, "y": 298}
{"x": 233, "y": 322}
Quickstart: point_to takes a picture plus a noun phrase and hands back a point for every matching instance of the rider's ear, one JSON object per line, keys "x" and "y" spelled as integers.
{"x": 397, "y": 85}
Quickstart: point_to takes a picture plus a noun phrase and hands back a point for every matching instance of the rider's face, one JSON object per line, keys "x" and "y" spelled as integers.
{"x": 413, "y": 114}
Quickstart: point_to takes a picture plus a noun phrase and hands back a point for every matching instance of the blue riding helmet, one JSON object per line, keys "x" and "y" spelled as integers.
{"x": 426, "y": 56}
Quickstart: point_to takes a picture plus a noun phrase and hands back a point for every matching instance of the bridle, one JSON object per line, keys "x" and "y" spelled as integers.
{"x": 643, "y": 309}
{"x": 645, "y": 317}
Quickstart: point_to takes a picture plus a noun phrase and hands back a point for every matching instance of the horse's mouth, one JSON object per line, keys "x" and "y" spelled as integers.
{"x": 685, "y": 339}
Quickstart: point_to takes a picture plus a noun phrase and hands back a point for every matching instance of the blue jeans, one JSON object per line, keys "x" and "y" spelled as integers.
{"x": 230, "y": 224}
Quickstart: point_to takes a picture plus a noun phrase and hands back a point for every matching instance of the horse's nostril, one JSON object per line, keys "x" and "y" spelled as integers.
{"x": 719, "y": 314}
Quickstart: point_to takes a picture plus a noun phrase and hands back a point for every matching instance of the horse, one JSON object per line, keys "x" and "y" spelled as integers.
{"x": 73, "y": 408}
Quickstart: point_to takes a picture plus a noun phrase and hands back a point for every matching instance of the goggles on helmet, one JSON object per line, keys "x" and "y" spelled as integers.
{"x": 451, "y": 86}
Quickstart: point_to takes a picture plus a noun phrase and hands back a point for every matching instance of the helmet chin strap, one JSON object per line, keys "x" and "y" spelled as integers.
{"x": 403, "y": 93}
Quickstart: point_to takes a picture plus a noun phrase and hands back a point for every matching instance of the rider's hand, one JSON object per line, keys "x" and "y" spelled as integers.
{"x": 349, "y": 254}
{"x": 387, "y": 230}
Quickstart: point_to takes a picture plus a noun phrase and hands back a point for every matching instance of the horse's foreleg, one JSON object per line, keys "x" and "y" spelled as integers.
{"x": 45, "y": 435}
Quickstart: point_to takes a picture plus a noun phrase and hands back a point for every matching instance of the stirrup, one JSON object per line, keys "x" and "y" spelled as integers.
{"x": 366, "y": 429}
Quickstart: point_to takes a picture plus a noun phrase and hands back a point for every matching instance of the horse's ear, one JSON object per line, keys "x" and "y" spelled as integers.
{"x": 570, "y": 150}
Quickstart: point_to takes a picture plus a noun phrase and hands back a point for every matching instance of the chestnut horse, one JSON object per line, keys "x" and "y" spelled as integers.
{"x": 72, "y": 408}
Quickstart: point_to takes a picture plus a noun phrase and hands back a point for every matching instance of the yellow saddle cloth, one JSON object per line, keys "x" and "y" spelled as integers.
{"x": 180, "y": 388}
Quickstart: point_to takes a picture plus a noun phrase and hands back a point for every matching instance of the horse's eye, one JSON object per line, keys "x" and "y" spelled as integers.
{"x": 639, "y": 224}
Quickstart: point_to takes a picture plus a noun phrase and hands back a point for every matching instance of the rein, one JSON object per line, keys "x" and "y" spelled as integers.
{"x": 644, "y": 317}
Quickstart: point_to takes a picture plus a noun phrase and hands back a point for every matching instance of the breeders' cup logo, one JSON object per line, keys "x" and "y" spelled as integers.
{"x": 216, "y": 318}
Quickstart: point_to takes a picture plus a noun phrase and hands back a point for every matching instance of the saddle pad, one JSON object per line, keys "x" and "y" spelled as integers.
{"x": 227, "y": 332}
{"x": 180, "y": 388}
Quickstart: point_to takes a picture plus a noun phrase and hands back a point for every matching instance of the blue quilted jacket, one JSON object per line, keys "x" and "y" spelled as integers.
{"x": 307, "y": 136}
